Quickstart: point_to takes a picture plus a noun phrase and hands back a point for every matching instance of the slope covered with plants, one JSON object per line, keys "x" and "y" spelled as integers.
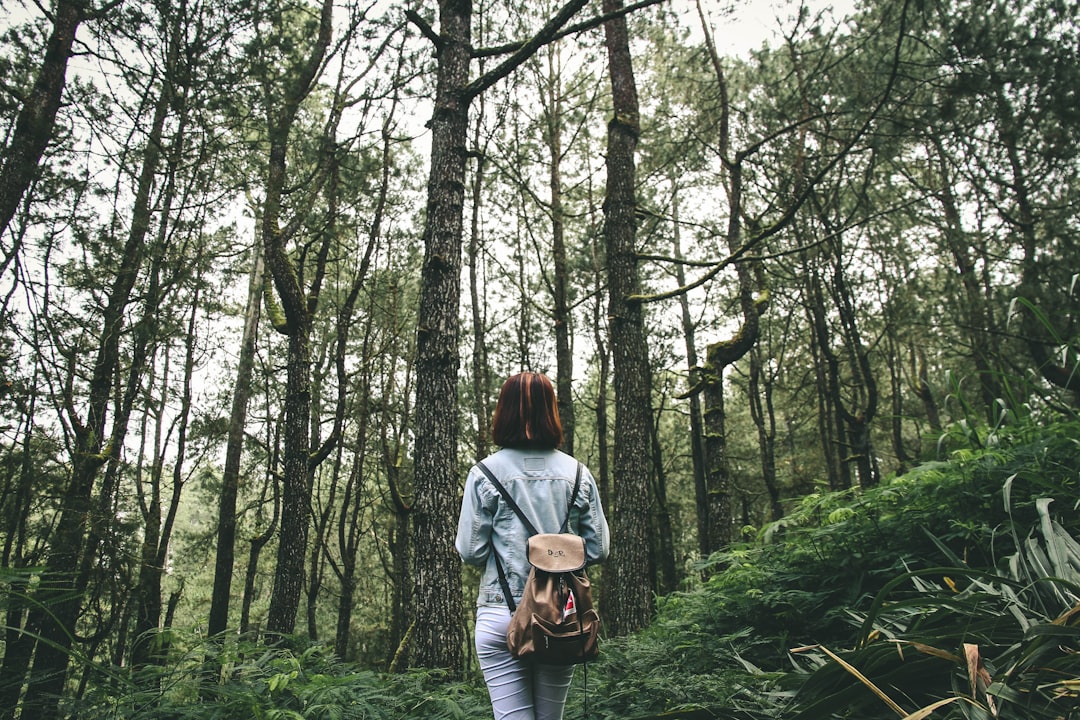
{"x": 952, "y": 591}
{"x": 957, "y": 583}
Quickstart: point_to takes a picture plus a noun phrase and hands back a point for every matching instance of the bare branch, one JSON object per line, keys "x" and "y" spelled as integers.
{"x": 572, "y": 30}
{"x": 547, "y": 34}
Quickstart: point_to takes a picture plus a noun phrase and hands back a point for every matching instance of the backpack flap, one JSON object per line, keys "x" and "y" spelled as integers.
{"x": 556, "y": 552}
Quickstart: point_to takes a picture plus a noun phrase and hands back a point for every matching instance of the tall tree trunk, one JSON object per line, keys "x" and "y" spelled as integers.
{"x": 296, "y": 486}
{"x": 34, "y": 124}
{"x": 1055, "y": 359}
{"x": 697, "y": 449}
{"x": 601, "y": 332}
{"x": 293, "y": 319}
{"x": 349, "y": 533}
{"x": 146, "y": 596}
{"x": 827, "y": 379}
{"x": 722, "y": 353}
{"x": 629, "y": 597}
{"x": 157, "y": 532}
{"x": 316, "y": 570}
{"x": 663, "y": 531}
{"x": 481, "y": 375}
{"x": 764, "y": 416}
{"x": 18, "y": 639}
{"x": 230, "y": 478}
{"x": 717, "y": 473}
{"x": 979, "y": 323}
{"x": 257, "y": 543}
{"x": 438, "y": 632}
{"x": 439, "y": 635}
{"x": 894, "y": 361}
{"x": 564, "y": 355}
{"x": 401, "y": 550}
{"x": 923, "y": 389}
{"x": 860, "y": 411}
{"x": 392, "y": 442}
{"x": 146, "y": 648}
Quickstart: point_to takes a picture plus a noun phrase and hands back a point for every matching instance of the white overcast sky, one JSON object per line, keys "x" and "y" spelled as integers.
{"x": 742, "y": 25}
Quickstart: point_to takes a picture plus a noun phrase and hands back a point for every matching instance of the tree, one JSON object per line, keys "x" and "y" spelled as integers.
{"x": 629, "y": 601}
{"x": 97, "y": 444}
{"x": 298, "y": 304}
{"x": 225, "y": 549}
{"x": 438, "y": 635}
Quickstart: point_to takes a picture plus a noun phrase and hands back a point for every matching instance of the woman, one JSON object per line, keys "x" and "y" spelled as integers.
{"x": 540, "y": 478}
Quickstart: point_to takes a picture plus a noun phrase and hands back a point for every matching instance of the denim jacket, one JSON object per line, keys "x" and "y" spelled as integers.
{"x": 541, "y": 482}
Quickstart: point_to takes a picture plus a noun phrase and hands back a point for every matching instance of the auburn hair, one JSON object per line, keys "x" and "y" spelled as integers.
{"x": 526, "y": 415}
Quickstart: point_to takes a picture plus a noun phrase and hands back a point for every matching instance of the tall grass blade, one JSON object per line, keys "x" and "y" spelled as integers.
{"x": 926, "y": 711}
{"x": 865, "y": 681}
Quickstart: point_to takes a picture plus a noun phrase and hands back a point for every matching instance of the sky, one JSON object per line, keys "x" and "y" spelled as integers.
{"x": 739, "y": 26}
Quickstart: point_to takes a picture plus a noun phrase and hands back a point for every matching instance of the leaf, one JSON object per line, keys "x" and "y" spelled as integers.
{"x": 971, "y": 653}
{"x": 978, "y": 675}
{"x": 865, "y": 681}
{"x": 925, "y": 712}
{"x": 930, "y": 650}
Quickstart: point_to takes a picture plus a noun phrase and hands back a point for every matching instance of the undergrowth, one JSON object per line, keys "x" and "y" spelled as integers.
{"x": 951, "y": 591}
{"x": 972, "y": 561}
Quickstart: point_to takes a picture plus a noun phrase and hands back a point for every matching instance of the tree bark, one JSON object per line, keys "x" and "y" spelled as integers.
{"x": 439, "y": 635}
{"x": 629, "y": 599}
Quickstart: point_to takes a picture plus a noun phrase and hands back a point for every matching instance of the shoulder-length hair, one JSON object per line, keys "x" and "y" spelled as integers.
{"x": 526, "y": 415}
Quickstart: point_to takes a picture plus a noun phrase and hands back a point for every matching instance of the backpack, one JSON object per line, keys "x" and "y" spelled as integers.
{"x": 556, "y": 623}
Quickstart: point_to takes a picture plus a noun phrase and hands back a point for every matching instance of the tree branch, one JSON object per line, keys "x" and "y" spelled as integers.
{"x": 572, "y": 30}
{"x": 547, "y": 34}
{"x": 425, "y": 29}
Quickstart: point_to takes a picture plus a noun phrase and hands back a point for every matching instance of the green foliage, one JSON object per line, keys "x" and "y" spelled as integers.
{"x": 1005, "y": 644}
{"x": 953, "y": 590}
{"x": 304, "y": 683}
{"x": 953, "y": 561}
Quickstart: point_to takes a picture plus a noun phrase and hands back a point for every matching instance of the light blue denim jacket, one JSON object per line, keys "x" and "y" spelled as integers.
{"x": 541, "y": 482}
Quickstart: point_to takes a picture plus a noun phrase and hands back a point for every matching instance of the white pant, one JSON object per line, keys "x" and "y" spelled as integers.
{"x": 519, "y": 691}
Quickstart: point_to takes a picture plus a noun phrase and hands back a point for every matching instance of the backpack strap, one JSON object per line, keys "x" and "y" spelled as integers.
{"x": 509, "y": 500}
{"x": 525, "y": 521}
{"x": 573, "y": 498}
